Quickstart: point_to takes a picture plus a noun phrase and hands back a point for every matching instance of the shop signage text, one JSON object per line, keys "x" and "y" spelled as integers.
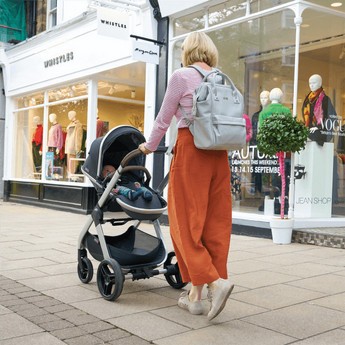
{"x": 145, "y": 51}
{"x": 112, "y": 23}
{"x": 313, "y": 200}
{"x": 59, "y": 60}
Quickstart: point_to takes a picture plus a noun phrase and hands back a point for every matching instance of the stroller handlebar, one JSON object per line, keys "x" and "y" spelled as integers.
{"x": 128, "y": 158}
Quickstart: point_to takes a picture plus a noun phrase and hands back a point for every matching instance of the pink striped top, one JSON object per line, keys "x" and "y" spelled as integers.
{"x": 181, "y": 86}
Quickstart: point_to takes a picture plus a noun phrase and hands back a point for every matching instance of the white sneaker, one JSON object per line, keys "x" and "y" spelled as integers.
{"x": 218, "y": 297}
{"x": 194, "y": 308}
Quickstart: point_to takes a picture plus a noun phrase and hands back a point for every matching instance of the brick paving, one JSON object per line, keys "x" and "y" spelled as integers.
{"x": 61, "y": 320}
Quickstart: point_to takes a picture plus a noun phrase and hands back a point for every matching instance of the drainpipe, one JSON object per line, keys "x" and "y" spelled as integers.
{"x": 298, "y": 9}
{"x": 162, "y": 79}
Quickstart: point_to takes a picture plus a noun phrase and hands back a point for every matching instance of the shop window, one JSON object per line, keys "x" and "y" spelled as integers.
{"x": 119, "y": 104}
{"x": 188, "y": 23}
{"x": 227, "y": 11}
{"x": 66, "y": 92}
{"x": 66, "y": 141}
{"x": 28, "y": 144}
{"x": 321, "y": 53}
{"x": 53, "y": 147}
{"x": 52, "y": 13}
{"x": 251, "y": 53}
{"x": 30, "y": 100}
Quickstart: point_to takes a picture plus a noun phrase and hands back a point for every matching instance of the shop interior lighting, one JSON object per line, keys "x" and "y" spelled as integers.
{"x": 111, "y": 90}
{"x": 342, "y": 53}
{"x": 336, "y": 4}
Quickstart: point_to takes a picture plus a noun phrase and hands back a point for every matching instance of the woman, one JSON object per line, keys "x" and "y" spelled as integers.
{"x": 199, "y": 198}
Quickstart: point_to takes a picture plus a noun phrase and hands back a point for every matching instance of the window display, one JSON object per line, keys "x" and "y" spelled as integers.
{"x": 317, "y": 110}
{"x": 37, "y": 140}
{"x": 259, "y": 60}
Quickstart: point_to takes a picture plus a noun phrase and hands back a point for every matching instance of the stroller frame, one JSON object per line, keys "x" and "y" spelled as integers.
{"x": 118, "y": 254}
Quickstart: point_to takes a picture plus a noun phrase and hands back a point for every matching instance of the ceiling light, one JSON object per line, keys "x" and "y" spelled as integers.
{"x": 342, "y": 53}
{"x": 336, "y": 4}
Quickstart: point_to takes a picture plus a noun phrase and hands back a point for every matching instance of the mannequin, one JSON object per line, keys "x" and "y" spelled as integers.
{"x": 264, "y": 100}
{"x": 73, "y": 140}
{"x": 317, "y": 108}
{"x": 37, "y": 139}
{"x": 55, "y": 136}
{"x": 275, "y": 107}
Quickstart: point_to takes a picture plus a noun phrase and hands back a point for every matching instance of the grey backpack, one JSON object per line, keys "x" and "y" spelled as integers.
{"x": 216, "y": 120}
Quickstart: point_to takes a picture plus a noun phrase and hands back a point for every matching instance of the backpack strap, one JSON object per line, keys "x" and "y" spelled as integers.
{"x": 203, "y": 72}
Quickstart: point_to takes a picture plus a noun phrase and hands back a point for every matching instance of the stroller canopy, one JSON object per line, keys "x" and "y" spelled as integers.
{"x": 111, "y": 149}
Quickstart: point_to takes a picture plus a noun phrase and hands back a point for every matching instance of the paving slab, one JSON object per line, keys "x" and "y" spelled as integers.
{"x": 284, "y": 294}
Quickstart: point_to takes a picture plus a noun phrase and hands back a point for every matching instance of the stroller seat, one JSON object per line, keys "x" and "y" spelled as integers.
{"x": 141, "y": 209}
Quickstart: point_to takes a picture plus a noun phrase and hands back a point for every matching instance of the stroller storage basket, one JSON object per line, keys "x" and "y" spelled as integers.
{"x": 133, "y": 248}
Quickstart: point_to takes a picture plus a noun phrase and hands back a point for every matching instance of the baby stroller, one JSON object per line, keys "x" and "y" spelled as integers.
{"x": 133, "y": 254}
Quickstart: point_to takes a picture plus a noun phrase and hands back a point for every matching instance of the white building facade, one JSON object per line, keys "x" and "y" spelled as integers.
{"x": 263, "y": 44}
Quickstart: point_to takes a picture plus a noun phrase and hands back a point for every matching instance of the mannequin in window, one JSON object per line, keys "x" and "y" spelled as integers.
{"x": 264, "y": 101}
{"x": 55, "y": 135}
{"x": 73, "y": 141}
{"x": 37, "y": 139}
{"x": 317, "y": 108}
{"x": 100, "y": 130}
{"x": 276, "y": 107}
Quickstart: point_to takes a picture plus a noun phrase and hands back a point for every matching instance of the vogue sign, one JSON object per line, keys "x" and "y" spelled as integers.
{"x": 112, "y": 23}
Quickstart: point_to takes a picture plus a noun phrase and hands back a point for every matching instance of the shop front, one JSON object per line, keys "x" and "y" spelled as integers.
{"x": 65, "y": 88}
{"x": 280, "y": 44}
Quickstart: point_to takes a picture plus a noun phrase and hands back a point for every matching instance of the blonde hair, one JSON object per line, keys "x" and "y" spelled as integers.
{"x": 198, "y": 47}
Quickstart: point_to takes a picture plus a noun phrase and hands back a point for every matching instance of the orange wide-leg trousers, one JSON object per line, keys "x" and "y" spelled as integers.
{"x": 199, "y": 209}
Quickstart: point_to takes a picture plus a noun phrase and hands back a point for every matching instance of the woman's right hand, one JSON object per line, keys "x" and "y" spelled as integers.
{"x": 143, "y": 149}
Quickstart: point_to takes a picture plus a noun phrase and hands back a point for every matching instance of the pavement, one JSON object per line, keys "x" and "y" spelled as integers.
{"x": 284, "y": 294}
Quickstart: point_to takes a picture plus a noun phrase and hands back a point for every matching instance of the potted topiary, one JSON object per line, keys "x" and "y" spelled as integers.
{"x": 278, "y": 134}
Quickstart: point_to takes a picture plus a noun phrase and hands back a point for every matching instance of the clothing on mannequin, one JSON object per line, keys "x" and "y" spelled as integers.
{"x": 264, "y": 101}
{"x": 37, "y": 140}
{"x": 73, "y": 141}
{"x": 249, "y": 131}
{"x": 55, "y": 135}
{"x": 100, "y": 128}
{"x": 317, "y": 108}
{"x": 275, "y": 107}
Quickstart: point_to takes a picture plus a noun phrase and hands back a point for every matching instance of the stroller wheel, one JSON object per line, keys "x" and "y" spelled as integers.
{"x": 110, "y": 279}
{"x": 173, "y": 276}
{"x": 85, "y": 270}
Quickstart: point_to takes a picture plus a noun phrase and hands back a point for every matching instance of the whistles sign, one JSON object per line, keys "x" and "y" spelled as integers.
{"x": 112, "y": 23}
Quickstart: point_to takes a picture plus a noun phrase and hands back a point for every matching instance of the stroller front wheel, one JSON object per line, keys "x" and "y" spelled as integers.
{"x": 85, "y": 270}
{"x": 110, "y": 279}
{"x": 173, "y": 275}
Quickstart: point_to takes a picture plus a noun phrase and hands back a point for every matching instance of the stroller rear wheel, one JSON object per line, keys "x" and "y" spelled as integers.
{"x": 110, "y": 279}
{"x": 173, "y": 275}
{"x": 85, "y": 270}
